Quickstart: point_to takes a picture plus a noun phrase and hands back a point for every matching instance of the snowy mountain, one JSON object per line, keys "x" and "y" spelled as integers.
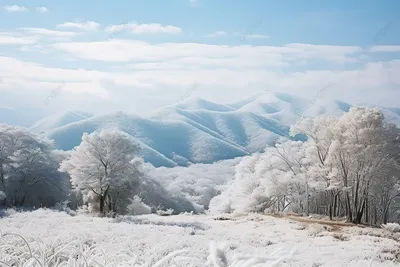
{"x": 59, "y": 120}
{"x": 197, "y": 130}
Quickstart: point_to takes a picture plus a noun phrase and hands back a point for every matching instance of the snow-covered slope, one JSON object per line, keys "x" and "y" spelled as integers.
{"x": 392, "y": 115}
{"x": 199, "y": 103}
{"x": 165, "y": 143}
{"x": 247, "y": 130}
{"x": 59, "y": 120}
{"x": 200, "y": 131}
{"x": 284, "y": 108}
{"x": 51, "y": 238}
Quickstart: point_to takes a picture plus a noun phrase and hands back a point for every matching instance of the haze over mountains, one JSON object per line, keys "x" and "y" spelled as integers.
{"x": 197, "y": 130}
{"x": 24, "y": 117}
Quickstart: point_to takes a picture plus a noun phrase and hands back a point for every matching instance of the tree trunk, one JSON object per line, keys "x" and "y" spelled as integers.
{"x": 356, "y": 195}
{"x": 348, "y": 208}
{"x": 375, "y": 215}
{"x": 385, "y": 215}
{"x": 102, "y": 200}
{"x": 110, "y": 205}
{"x": 359, "y": 214}
{"x": 307, "y": 201}
{"x": 335, "y": 205}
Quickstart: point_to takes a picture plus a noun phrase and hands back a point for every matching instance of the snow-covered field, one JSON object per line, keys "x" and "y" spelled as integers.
{"x": 58, "y": 239}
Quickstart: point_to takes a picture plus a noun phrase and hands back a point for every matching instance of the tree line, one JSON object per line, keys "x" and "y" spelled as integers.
{"x": 348, "y": 167}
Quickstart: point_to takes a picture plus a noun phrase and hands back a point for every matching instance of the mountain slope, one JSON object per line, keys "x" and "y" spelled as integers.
{"x": 165, "y": 143}
{"x": 245, "y": 129}
{"x": 199, "y": 103}
{"x": 59, "y": 120}
{"x": 200, "y": 131}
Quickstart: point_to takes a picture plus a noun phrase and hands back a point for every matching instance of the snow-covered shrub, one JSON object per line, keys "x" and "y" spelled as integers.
{"x": 167, "y": 212}
{"x": 137, "y": 207}
{"x": 197, "y": 183}
{"x": 221, "y": 204}
{"x": 83, "y": 210}
{"x": 218, "y": 257}
{"x": 391, "y": 227}
{"x": 316, "y": 229}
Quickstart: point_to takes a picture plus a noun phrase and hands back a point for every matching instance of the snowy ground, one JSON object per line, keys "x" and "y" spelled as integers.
{"x": 56, "y": 236}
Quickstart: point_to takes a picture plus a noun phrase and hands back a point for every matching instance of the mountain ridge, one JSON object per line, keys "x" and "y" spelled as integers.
{"x": 197, "y": 130}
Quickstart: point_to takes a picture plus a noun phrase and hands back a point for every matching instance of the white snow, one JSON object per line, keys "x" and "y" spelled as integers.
{"x": 142, "y": 240}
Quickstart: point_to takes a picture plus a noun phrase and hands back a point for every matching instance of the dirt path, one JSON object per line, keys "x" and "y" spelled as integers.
{"x": 336, "y": 225}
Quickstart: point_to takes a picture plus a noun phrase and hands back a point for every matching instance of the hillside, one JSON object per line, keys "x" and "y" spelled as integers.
{"x": 58, "y": 120}
{"x": 197, "y": 130}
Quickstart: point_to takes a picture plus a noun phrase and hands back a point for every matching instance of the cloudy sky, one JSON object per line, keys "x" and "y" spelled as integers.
{"x": 135, "y": 56}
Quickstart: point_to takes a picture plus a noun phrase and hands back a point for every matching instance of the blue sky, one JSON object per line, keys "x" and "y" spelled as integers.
{"x": 323, "y": 22}
{"x": 139, "y": 55}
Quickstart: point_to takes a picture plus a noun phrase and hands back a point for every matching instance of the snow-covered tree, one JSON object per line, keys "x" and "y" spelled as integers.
{"x": 349, "y": 166}
{"x": 353, "y": 154}
{"x": 29, "y": 173}
{"x": 104, "y": 168}
{"x": 273, "y": 180}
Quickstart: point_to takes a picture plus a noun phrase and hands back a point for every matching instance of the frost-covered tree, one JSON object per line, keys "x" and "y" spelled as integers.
{"x": 273, "y": 180}
{"x": 104, "y": 168}
{"x": 354, "y": 154}
{"x": 349, "y": 166}
{"x": 29, "y": 173}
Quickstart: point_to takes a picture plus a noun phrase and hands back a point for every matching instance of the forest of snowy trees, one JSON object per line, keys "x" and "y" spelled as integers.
{"x": 348, "y": 167}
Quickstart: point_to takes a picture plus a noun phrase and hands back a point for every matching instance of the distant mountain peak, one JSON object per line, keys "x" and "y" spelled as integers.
{"x": 194, "y": 103}
{"x": 59, "y": 119}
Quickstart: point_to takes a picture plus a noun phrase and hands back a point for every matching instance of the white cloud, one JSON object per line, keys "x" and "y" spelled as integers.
{"x": 256, "y": 36}
{"x": 216, "y": 34}
{"x": 386, "y": 48}
{"x": 42, "y": 9}
{"x": 15, "y": 8}
{"x": 7, "y": 39}
{"x": 143, "y": 28}
{"x": 225, "y": 73}
{"x": 86, "y": 26}
{"x": 47, "y": 32}
{"x": 129, "y": 50}
{"x": 116, "y": 87}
